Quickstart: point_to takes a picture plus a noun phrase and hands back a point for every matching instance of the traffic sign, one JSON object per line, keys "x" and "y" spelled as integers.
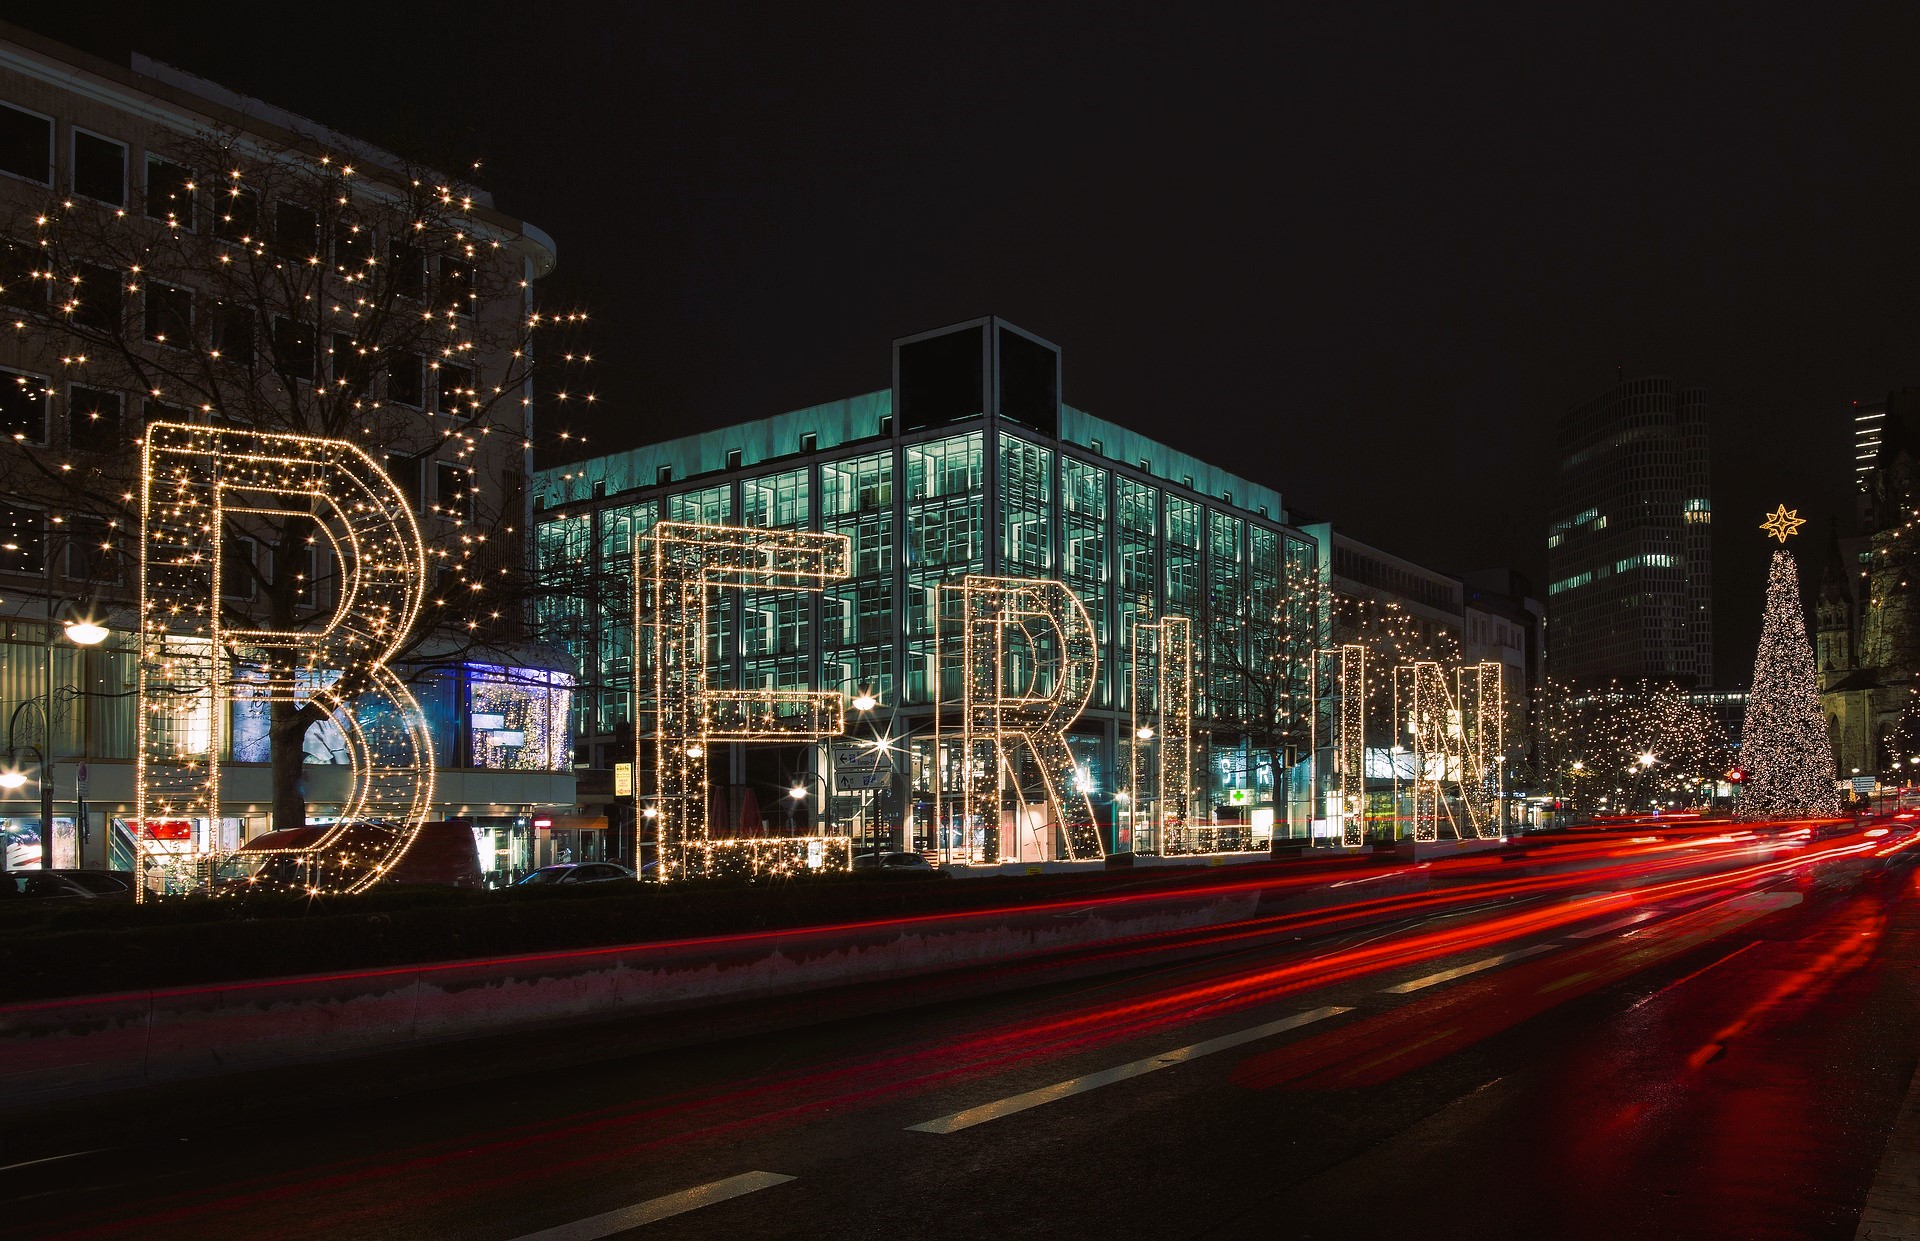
{"x": 860, "y": 765}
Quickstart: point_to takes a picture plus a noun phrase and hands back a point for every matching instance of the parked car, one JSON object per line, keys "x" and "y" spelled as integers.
{"x": 890, "y": 861}
{"x": 575, "y": 873}
{"x": 441, "y": 855}
{"x": 75, "y": 885}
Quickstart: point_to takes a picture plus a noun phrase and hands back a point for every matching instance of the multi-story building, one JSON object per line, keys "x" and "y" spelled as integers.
{"x": 1866, "y": 626}
{"x": 1628, "y": 557}
{"x": 969, "y": 464}
{"x": 1400, "y": 611}
{"x": 99, "y": 145}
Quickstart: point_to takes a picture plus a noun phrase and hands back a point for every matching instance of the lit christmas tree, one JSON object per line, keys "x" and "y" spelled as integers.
{"x": 1784, "y": 743}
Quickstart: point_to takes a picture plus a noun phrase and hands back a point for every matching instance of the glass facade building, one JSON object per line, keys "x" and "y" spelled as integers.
{"x": 968, "y": 465}
{"x": 1629, "y": 565}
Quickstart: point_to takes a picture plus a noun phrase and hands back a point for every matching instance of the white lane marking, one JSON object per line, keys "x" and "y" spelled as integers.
{"x": 1662, "y": 910}
{"x": 1106, "y": 1077}
{"x": 1461, "y": 971}
{"x": 54, "y": 1158}
{"x": 655, "y": 1209}
{"x": 1615, "y": 925}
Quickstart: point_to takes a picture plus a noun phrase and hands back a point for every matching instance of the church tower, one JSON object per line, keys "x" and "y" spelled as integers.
{"x": 1833, "y": 619}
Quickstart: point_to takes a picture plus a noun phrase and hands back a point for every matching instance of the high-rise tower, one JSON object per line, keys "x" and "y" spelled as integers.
{"x": 1628, "y": 556}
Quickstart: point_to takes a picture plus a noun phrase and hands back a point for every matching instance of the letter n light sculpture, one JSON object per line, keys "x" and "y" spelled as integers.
{"x": 1455, "y": 739}
{"x": 677, "y": 567}
{"x": 197, "y": 484}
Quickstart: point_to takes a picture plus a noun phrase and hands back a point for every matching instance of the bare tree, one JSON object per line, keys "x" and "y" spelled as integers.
{"x": 294, "y": 291}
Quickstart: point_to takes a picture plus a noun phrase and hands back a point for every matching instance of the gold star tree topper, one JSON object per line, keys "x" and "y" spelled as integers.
{"x": 1782, "y": 522}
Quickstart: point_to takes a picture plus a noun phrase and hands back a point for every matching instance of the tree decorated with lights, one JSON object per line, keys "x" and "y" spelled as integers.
{"x": 1629, "y": 745}
{"x": 1784, "y": 743}
{"x": 302, "y": 291}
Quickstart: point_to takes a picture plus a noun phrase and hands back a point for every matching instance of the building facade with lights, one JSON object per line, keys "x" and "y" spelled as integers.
{"x": 1629, "y": 565}
{"x": 1398, "y": 611}
{"x": 968, "y": 464}
{"x": 1866, "y": 623}
{"x": 82, "y": 135}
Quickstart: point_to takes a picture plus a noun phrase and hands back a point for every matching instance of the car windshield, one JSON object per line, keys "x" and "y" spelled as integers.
{"x": 548, "y": 874}
{"x": 104, "y": 884}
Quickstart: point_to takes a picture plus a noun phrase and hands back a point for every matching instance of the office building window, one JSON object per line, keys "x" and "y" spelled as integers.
{"x": 23, "y": 406}
{"x": 295, "y": 351}
{"x": 453, "y": 484}
{"x": 26, "y": 144}
{"x": 21, "y": 288}
{"x": 454, "y": 390}
{"x": 405, "y": 384}
{"x": 236, "y": 567}
{"x": 169, "y": 192}
{"x": 407, "y": 267}
{"x": 236, "y": 213}
{"x": 99, "y": 168}
{"x": 296, "y": 231}
{"x": 776, "y": 500}
{"x": 96, "y": 298}
{"x": 169, "y": 314}
{"x": 1026, "y": 494}
{"x": 23, "y": 539}
{"x": 353, "y": 246}
{"x": 233, "y": 334}
{"x": 94, "y": 419}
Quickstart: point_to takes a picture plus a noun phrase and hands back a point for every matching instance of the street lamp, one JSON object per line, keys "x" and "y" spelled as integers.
{"x": 865, "y": 701}
{"x": 86, "y": 633}
{"x": 82, "y": 632}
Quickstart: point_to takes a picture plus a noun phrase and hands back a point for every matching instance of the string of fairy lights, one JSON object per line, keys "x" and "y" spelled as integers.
{"x": 191, "y": 654}
{"x": 293, "y": 293}
{"x": 992, "y": 719}
{"x": 677, "y": 567}
{"x": 1160, "y": 746}
{"x": 1783, "y": 743}
{"x": 1630, "y": 745}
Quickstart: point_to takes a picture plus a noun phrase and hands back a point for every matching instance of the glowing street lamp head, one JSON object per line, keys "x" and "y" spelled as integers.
{"x": 1145, "y": 733}
{"x": 11, "y": 780}
{"x": 1577, "y": 766}
{"x": 696, "y": 750}
{"x": 798, "y": 792}
{"x": 86, "y": 633}
{"x": 651, "y": 812}
{"x": 1648, "y": 759}
{"x": 865, "y": 701}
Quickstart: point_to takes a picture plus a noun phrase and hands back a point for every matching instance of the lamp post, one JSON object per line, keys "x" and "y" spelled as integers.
{"x": 82, "y": 633}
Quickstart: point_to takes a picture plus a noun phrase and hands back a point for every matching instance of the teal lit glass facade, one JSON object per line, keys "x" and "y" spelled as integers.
{"x": 1136, "y": 530}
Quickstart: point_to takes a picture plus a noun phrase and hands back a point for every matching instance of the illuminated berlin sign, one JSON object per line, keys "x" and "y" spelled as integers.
{"x": 195, "y": 659}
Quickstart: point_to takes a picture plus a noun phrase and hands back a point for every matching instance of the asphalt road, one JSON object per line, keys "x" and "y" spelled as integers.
{"x": 1657, "y": 1055}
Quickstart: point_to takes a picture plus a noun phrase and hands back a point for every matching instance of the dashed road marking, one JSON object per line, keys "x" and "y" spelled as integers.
{"x": 1106, "y": 1077}
{"x": 655, "y": 1209}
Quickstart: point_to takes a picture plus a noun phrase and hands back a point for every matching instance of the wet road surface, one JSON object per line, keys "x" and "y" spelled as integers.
{"x": 1640, "y": 1047}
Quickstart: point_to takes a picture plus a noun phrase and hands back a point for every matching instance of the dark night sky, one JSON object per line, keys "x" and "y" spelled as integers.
{"x": 1366, "y": 255}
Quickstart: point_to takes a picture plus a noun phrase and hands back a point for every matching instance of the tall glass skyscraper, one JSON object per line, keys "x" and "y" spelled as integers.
{"x": 1629, "y": 565}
